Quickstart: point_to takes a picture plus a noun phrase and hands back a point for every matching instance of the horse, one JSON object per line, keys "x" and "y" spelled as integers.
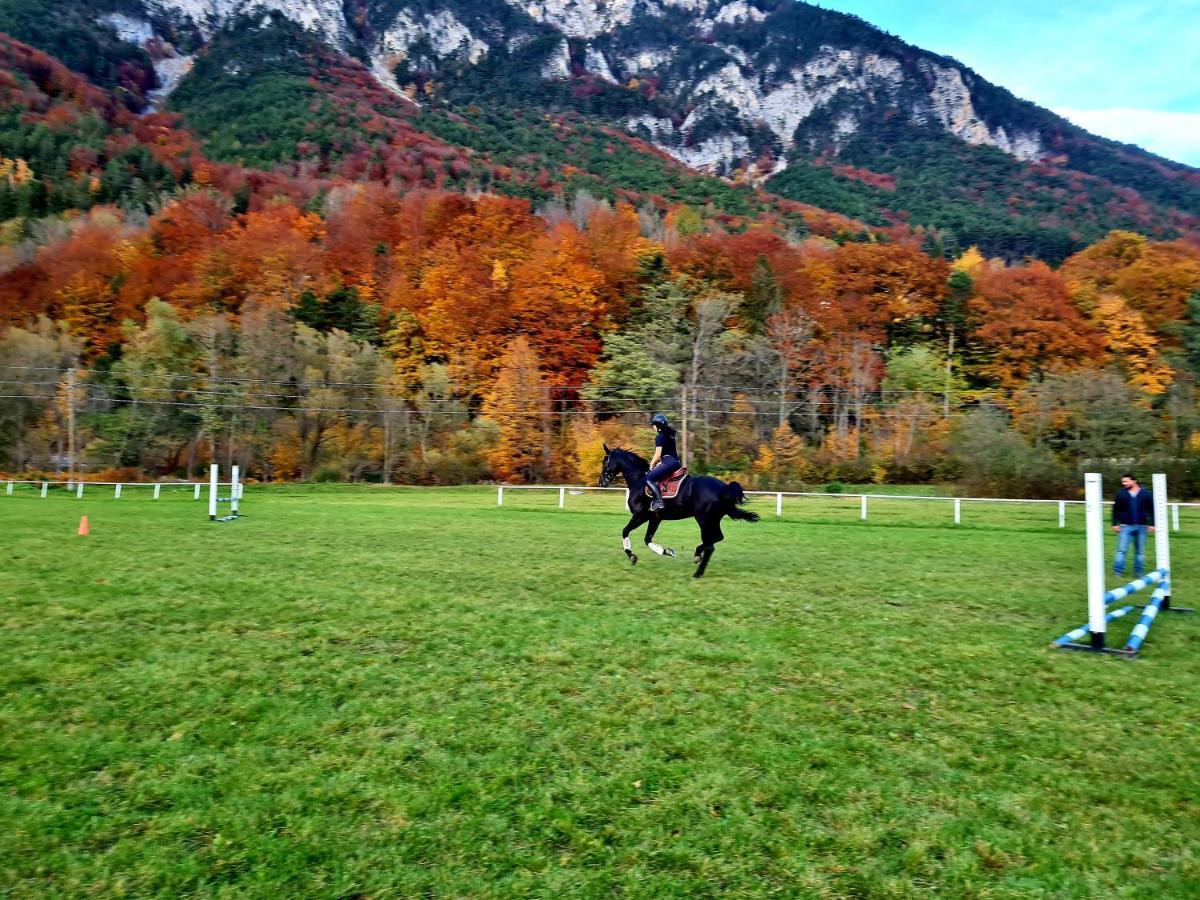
{"x": 703, "y": 497}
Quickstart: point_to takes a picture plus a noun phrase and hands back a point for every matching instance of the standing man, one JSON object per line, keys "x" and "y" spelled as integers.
{"x": 1133, "y": 517}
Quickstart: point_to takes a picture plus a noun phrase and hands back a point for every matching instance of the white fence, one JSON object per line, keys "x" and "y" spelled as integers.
{"x": 77, "y": 487}
{"x": 196, "y": 487}
{"x": 864, "y": 500}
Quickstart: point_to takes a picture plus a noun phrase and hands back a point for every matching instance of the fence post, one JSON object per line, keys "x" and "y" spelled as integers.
{"x": 196, "y": 493}
{"x": 1174, "y": 516}
{"x": 863, "y": 514}
{"x": 779, "y": 506}
{"x": 45, "y": 489}
{"x": 117, "y": 492}
{"x": 157, "y": 490}
{"x": 9, "y": 489}
{"x": 213, "y": 487}
{"x": 562, "y": 497}
{"x": 500, "y": 495}
{"x": 235, "y": 491}
{"x": 79, "y": 491}
{"x": 957, "y": 511}
{"x": 1062, "y": 513}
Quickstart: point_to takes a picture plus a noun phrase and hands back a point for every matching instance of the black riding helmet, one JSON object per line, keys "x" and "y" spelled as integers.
{"x": 660, "y": 421}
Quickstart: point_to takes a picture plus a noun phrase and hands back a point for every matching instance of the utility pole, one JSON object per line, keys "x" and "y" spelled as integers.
{"x": 71, "y": 425}
{"x": 683, "y": 425}
{"x": 949, "y": 370}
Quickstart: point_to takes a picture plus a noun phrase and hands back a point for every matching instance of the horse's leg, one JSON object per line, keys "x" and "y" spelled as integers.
{"x": 710, "y": 534}
{"x": 657, "y": 548}
{"x": 635, "y": 523}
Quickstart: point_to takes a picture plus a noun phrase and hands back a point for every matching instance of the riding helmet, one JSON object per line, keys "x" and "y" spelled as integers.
{"x": 660, "y": 420}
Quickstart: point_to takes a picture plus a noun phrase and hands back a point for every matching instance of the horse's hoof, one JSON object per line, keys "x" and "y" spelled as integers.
{"x": 698, "y": 575}
{"x": 695, "y": 560}
{"x": 669, "y": 552}
{"x": 633, "y": 559}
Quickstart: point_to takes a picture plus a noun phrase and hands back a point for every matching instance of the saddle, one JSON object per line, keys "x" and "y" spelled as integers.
{"x": 671, "y": 484}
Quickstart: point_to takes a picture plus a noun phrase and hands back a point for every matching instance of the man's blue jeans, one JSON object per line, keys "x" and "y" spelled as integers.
{"x": 1135, "y": 534}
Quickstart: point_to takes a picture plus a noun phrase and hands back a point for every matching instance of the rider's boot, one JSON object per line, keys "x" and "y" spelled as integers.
{"x": 657, "y": 503}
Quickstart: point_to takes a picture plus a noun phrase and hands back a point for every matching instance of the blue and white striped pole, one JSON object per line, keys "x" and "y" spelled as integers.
{"x": 1082, "y": 631}
{"x": 1142, "y": 628}
{"x": 1133, "y": 587}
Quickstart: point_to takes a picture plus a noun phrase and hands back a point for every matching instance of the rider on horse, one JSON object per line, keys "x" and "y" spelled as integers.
{"x": 665, "y": 461}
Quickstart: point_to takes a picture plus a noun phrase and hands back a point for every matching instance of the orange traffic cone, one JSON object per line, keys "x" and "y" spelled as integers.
{"x": 84, "y": 528}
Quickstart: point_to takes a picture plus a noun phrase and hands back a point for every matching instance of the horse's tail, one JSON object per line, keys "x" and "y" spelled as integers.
{"x": 734, "y": 497}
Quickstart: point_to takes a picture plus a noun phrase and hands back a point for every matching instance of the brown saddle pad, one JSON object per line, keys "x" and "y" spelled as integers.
{"x": 671, "y": 484}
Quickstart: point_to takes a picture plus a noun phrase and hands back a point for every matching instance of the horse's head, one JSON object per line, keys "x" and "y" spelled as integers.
{"x": 609, "y": 470}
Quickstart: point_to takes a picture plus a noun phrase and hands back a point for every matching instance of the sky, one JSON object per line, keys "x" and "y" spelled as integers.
{"x": 1125, "y": 70}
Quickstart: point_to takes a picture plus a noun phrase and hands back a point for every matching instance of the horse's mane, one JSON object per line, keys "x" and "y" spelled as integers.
{"x": 637, "y": 459}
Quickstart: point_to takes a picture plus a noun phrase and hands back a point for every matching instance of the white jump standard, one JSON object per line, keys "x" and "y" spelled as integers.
{"x": 1099, "y": 599}
{"x": 234, "y": 498}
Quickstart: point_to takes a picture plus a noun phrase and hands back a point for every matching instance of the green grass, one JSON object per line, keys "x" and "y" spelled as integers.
{"x": 361, "y": 692}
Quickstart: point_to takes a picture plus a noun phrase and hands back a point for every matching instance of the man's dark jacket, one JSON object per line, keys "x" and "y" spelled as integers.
{"x": 1133, "y": 510}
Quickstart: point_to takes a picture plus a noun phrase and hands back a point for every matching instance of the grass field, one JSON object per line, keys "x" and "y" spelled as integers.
{"x": 367, "y": 692}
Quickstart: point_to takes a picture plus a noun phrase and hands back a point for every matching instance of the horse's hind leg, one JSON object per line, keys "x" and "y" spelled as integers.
{"x": 710, "y": 534}
{"x": 657, "y": 548}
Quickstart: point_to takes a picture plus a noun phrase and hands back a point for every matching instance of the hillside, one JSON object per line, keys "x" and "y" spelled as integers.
{"x": 812, "y": 105}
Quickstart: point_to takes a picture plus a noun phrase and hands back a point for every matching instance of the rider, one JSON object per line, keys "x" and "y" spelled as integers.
{"x": 665, "y": 461}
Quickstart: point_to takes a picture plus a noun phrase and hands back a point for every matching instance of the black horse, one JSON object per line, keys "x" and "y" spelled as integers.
{"x": 707, "y": 499}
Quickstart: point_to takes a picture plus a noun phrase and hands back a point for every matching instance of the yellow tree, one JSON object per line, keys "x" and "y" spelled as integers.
{"x": 791, "y": 463}
{"x": 970, "y": 262}
{"x": 519, "y": 405}
{"x": 1132, "y": 344}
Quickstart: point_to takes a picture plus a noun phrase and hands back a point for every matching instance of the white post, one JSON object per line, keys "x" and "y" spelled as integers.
{"x": 196, "y": 493}
{"x": 1062, "y": 513}
{"x": 1162, "y": 534}
{"x": 234, "y": 493}
{"x": 500, "y": 495}
{"x": 79, "y": 491}
{"x": 9, "y": 489}
{"x": 212, "y": 492}
{"x": 863, "y": 514}
{"x": 779, "y": 506}
{"x": 957, "y": 511}
{"x": 116, "y": 492}
{"x": 1174, "y": 516}
{"x": 157, "y": 490}
{"x": 1093, "y": 489}
{"x": 562, "y": 497}
{"x": 46, "y": 490}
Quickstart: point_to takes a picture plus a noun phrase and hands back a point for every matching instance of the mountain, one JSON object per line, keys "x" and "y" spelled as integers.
{"x": 782, "y": 100}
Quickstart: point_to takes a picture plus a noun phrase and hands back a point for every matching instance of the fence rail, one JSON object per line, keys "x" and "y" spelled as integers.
{"x": 77, "y": 487}
{"x": 864, "y": 499}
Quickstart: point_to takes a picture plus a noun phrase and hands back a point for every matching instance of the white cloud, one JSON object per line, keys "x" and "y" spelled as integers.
{"x": 1175, "y": 135}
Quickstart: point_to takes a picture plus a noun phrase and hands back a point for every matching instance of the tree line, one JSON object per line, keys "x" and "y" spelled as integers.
{"x": 436, "y": 337}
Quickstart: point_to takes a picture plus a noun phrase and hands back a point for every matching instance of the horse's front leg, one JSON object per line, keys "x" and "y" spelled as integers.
{"x": 657, "y": 548}
{"x": 638, "y": 520}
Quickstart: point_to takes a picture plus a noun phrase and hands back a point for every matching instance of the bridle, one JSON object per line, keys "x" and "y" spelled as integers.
{"x": 607, "y": 475}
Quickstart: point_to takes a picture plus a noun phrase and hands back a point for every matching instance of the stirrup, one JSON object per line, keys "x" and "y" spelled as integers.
{"x": 657, "y": 504}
